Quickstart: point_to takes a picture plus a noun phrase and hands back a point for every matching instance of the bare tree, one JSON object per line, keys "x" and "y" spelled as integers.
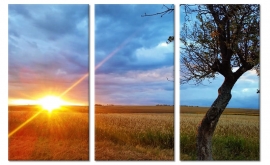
{"x": 224, "y": 37}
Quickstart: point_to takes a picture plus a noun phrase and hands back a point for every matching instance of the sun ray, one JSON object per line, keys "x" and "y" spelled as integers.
{"x": 23, "y": 124}
{"x": 118, "y": 48}
{"x": 31, "y": 118}
{"x": 73, "y": 85}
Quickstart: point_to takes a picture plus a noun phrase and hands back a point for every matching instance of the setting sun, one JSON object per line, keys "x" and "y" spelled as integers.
{"x": 50, "y": 103}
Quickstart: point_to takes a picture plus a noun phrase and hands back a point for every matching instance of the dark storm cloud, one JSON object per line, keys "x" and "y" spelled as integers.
{"x": 123, "y": 20}
{"x": 52, "y": 20}
{"x": 117, "y": 24}
{"x": 48, "y": 43}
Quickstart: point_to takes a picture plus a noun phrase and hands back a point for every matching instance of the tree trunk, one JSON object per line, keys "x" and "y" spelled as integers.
{"x": 210, "y": 120}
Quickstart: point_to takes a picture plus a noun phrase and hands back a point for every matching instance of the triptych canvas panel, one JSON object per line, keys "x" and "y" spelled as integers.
{"x": 134, "y": 82}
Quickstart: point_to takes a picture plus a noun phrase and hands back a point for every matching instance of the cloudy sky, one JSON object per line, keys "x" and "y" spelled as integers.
{"x": 48, "y": 49}
{"x": 243, "y": 93}
{"x": 132, "y": 58}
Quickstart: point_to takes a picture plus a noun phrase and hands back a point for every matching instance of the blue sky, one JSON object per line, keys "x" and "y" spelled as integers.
{"x": 49, "y": 56}
{"x": 132, "y": 59}
{"x": 48, "y": 51}
{"x": 243, "y": 93}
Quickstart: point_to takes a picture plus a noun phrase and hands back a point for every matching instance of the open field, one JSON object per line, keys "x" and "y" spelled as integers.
{"x": 227, "y": 111}
{"x": 237, "y": 135}
{"x": 134, "y": 133}
{"x": 60, "y": 135}
{"x": 134, "y": 109}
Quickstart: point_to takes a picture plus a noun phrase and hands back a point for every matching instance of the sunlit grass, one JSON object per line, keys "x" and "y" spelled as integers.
{"x": 59, "y": 135}
{"x": 142, "y": 136}
{"x": 236, "y": 137}
{"x": 136, "y": 129}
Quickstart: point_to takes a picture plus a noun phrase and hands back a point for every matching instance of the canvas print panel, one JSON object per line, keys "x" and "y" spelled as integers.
{"x": 134, "y": 112}
{"x": 219, "y": 76}
{"x": 48, "y": 113}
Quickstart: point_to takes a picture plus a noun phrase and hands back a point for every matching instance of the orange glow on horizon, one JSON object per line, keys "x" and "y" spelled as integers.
{"x": 49, "y": 103}
{"x": 18, "y": 101}
{"x": 21, "y": 102}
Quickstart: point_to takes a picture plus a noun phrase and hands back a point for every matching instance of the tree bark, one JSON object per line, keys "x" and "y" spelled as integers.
{"x": 210, "y": 120}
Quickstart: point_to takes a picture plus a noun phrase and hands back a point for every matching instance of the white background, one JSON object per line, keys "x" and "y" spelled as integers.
{"x": 265, "y": 90}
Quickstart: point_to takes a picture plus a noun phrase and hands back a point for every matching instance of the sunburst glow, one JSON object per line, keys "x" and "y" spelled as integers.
{"x": 50, "y": 103}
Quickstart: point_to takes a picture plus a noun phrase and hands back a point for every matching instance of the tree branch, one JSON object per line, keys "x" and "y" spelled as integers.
{"x": 167, "y": 11}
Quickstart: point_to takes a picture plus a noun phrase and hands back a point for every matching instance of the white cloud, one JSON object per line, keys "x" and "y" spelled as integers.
{"x": 244, "y": 92}
{"x": 60, "y": 72}
{"x": 154, "y": 75}
{"x": 83, "y": 24}
{"x": 155, "y": 54}
{"x": 250, "y": 77}
{"x": 163, "y": 44}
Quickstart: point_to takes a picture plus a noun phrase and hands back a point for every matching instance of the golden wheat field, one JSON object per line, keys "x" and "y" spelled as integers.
{"x": 134, "y": 133}
{"x": 237, "y": 135}
{"x": 36, "y": 134}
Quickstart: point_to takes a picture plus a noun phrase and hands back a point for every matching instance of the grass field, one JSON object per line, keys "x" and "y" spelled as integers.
{"x": 60, "y": 135}
{"x": 134, "y": 133}
{"x": 237, "y": 135}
